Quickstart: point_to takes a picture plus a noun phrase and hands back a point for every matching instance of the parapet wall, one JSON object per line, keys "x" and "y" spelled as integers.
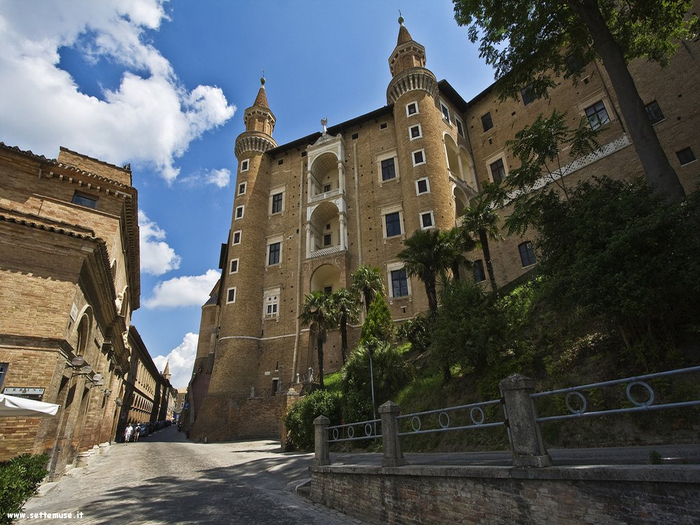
{"x": 602, "y": 495}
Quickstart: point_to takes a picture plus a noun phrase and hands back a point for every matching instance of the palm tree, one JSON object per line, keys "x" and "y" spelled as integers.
{"x": 482, "y": 220}
{"x": 458, "y": 242}
{"x": 345, "y": 303}
{"x": 426, "y": 256}
{"x": 367, "y": 282}
{"x": 319, "y": 314}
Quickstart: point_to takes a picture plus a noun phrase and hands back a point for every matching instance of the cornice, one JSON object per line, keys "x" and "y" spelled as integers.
{"x": 253, "y": 141}
{"x": 414, "y": 79}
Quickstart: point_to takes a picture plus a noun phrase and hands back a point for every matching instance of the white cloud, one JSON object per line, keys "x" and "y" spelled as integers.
{"x": 183, "y": 291}
{"x": 181, "y": 361}
{"x": 149, "y": 120}
{"x": 156, "y": 256}
{"x": 220, "y": 178}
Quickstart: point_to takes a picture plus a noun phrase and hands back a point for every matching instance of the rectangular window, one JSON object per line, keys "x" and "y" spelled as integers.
{"x": 654, "y": 112}
{"x": 388, "y": 169}
{"x": 241, "y": 188}
{"x": 422, "y": 186}
{"x": 239, "y": 212}
{"x": 277, "y": 203}
{"x": 234, "y": 266}
{"x": 328, "y": 289}
{"x": 414, "y": 132}
{"x": 271, "y": 310}
{"x": 393, "y": 224}
{"x": 460, "y": 127}
{"x": 326, "y": 188}
{"x": 84, "y": 200}
{"x": 244, "y": 165}
{"x": 236, "y": 237}
{"x": 271, "y": 303}
{"x": 528, "y": 94}
{"x": 3, "y": 372}
{"x": 273, "y": 256}
{"x": 685, "y": 156}
{"x": 498, "y": 170}
{"x": 527, "y": 254}
{"x": 478, "y": 269}
{"x": 280, "y": 162}
{"x": 231, "y": 295}
{"x": 426, "y": 220}
{"x": 327, "y": 239}
{"x": 597, "y": 115}
{"x": 418, "y": 157}
{"x": 445, "y": 112}
{"x": 383, "y": 125}
{"x": 411, "y": 109}
{"x": 486, "y": 121}
{"x": 399, "y": 283}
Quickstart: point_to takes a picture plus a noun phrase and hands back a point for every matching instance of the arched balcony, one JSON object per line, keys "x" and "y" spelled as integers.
{"x": 460, "y": 166}
{"x": 326, "y": 230}
{"x": 326, "y": 278}
{"x": 326, "y": 177}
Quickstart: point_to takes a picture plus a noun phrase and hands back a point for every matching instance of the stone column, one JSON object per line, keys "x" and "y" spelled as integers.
{"x": 343, "y": 232}
{"x": 393, "y": 457}
{"x": 308, "y": 240}
{"x": 341, "y": 177}
{"x": 525, "y": 437}
{"x": 290, "y": 397}
{"x": 321, "y": 456}
{"x": 309, "y": 185}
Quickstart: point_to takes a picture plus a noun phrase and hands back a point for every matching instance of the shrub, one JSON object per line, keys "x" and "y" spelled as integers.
{"x": 19, "y": 479}
{"x": 300, "y": 418}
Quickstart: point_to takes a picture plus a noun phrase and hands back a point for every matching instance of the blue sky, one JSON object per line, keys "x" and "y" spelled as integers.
{"x": 163, "y": 85}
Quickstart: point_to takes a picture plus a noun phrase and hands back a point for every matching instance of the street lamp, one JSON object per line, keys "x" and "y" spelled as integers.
{"x": 370, "y": 351}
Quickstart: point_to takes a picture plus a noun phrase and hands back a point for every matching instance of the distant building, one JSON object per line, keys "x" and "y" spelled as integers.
{"x": 306, "y": 214}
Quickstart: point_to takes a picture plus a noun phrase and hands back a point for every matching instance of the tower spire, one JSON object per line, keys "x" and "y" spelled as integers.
{"x": 259, "y": 125}
{"x": 408, "y": 53}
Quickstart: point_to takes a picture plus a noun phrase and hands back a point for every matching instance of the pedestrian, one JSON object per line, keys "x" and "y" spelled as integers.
{"x": 127, "y": 433}
{"x": 137, "y": 432}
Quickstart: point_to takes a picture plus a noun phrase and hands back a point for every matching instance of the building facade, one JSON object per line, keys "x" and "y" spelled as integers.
{"x": 308, "y": 213}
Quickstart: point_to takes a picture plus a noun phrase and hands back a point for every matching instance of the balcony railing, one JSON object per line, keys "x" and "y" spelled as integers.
{"x": 326, "y": 195}
{"x": 326, "y": 251}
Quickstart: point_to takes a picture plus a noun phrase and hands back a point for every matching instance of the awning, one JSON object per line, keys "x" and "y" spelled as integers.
{"x": 11, "y": 406}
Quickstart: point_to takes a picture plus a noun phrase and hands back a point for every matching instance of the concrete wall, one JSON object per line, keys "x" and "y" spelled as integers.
{"x": 602, "y": 495}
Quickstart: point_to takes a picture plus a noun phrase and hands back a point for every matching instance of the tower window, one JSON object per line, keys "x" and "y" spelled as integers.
{"x": 241, "y": 188}
{"x": 654, "y": 112}
{"x": 445, "y": 112}
{"x": 685, "y": 156}
{"x": 527, "y": 254}
{"x": 231, "y": 295}
{"x": 393, "y": 224}
{"x": 411, "y": 109}
{"x": 498, "y": 170}
{"x": 277, "y": 203}
{"x": 486, "y": 121}
{"x": 245, "y": 164}
{"x": 426, "y": 220}
{"x": 236, "y": 237}
{"x": 418, "y": 157}
{"x": 234, "y": 266}
{"x": 273, "y": 253}
{"x": 597, "y": 115}
{"x": 239, "y": 212}
{"x": 388, "y": 169}
{"x": 422, "y": 186}
{"x": 415, "y": 132}
{"x": 84, "y": 200}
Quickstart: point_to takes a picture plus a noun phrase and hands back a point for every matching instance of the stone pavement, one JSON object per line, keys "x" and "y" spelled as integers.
{"x": 165, "y": 479}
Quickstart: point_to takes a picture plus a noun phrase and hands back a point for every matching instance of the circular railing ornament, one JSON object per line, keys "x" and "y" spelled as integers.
{"x": 584, "y": 403}
{"x": 479, "y": 411}
{"x": 351, "y": 432}
{"x": 633, "y": 400}
{"x": 335, "y": 433}
{"x": 368, "y": 429}
{"x": 440, "y": 420}
{"x": 415, "y": 423}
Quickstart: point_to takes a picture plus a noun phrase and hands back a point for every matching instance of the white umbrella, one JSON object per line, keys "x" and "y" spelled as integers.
{"x": 11, "y": 406}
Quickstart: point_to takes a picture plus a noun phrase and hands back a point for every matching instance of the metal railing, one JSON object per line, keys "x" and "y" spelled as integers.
{"x": 639, "y": 406}
{"x": 444, "y": 422}
{"x": 370, "y": 429}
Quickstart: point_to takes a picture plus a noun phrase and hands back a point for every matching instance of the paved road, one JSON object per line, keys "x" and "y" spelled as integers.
{"x": 165, "y": 479}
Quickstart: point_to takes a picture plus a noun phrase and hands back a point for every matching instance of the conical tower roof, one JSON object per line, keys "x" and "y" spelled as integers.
{"x": 407, "y": 54}
{"x": 404, "y": 35}
{"x": 261, "y": 99}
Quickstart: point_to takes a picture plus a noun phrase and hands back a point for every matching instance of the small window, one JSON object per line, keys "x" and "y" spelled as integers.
{"x": 280, "y": 162}
{"x": 234, "y": 266}
{"x": 597, "y": 115}
{"x": 399, "y": 283}
{"x": 478, "y": 269}
{"x": 236, "y": 237}
{"x": 414, "y": 132}
{"x": 388, "y": 169}
{"x": 355, "y": 136}
{"x": 393, "y": 224}
{"x": 239, "y": 212}
{"x": 277, "y": 203}
{"x": 418, "y": 157}
{"x": 3, "y": 372}
{"x": 498, "y": 170}
{"x": 327, "y": 239}
{"x": 422, "y": 186}
{"x": 241, "y": 188}
{"x": 303, "y": 154}
{"x": 328, "y": 289}
{"x": 685, "y": 156}
{"x": 231, "y": 295}
{"x": 245, "y": 164}
{"x": 382, "y": 125}
{"x": 84, "y": 200}
{"x": 411, "y": 109}
{"x": 527, "y": 254}
{"x": 460, "y": 127}
{"x": 273, "y": 253}
{"x": 426, "y": 220}
{"x": 328, "y": 226}
{"x": 486, "y": 121}
{"x": 271, "y": 303}
{"x": 654, "y": 112}
{"x": 271, "y": 310}
{"x": 528, "y": 94}
{"x": 445, "y": 112}
{"x": 574, "y": 63}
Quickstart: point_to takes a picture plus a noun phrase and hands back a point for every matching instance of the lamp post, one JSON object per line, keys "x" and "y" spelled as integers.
{"x": 370, "y": 351}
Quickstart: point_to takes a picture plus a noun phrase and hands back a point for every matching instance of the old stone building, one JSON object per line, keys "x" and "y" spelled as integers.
{"x": 306, "y": 214}
{"x": 69, "y": 282}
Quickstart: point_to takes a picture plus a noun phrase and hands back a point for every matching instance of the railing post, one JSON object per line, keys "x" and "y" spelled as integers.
{"x": 393, "y": 457}
{"x": 525, "y": 437}
{"x": 321, "y": 456}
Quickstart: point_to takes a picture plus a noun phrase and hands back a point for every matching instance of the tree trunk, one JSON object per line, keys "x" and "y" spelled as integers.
{"x": 652, "y": 156}
{"x": 319, "y": 342}
{"x": 484, "y": 240}
{"x": 344, "y": 337}
{"x": 432, "y": 297}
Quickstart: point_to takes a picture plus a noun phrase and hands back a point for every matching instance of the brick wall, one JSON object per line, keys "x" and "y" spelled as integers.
{"x": 507, "y": 495}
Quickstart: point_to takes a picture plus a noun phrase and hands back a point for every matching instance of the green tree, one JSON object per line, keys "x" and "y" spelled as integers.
{"x": 458, "y": 242}
{"x": 319, "y": 314}
{"x": 427, "y": 255}
{"x": 480, "y": 219}
{"x": 345, "y": 303}
{"x": 299, "y": 420}
{"x": 378, "y": 326}
{"x": 529, "y": 42}
{"x": 367, "y": 282}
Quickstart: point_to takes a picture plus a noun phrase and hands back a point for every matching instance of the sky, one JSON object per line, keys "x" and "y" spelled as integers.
{"x": 163, "y": 84}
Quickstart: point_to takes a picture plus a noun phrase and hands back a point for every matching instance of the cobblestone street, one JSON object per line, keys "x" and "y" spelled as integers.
{"x": 165, "y": 479}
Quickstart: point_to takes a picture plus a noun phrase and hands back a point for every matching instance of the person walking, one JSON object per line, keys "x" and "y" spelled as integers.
{"x": 127, "y": 433}
{"x": 137, "y": 432}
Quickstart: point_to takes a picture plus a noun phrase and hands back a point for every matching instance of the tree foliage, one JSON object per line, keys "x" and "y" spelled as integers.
{"x": 379, "y": 325}
{"x": 319, "y": 314}
{"x": 367, "y": 283}
{"x": 345, "y": 304}
{"x": 19, "y": 479}
{"x": 481, "y": 219}
{"x": 299, "y": 419}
